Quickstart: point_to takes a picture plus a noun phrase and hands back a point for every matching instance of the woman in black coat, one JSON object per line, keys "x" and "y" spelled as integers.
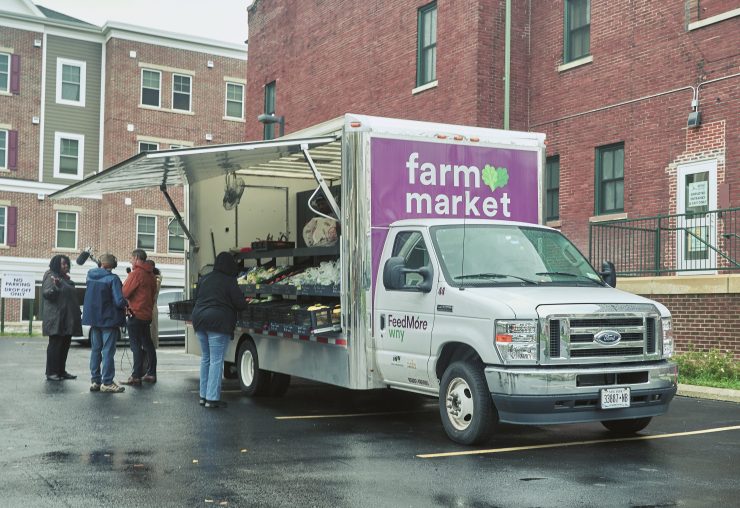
{"x": 61, "y": 316}
{"x": 214, "y": 318}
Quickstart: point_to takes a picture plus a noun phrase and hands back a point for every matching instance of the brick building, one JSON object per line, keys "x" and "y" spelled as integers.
{"x": 75, "y": 99}
{"x": 639, "y": 101}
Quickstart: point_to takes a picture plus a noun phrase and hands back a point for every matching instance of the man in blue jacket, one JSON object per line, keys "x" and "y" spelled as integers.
{"x": 104, "y": 312}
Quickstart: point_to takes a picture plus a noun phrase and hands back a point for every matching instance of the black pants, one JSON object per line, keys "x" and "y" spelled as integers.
{"x": 56, "y": 354}
{"x": 140, "y": 340}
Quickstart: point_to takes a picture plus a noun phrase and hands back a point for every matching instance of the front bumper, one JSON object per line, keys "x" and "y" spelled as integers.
{"x": 562, "y": 395}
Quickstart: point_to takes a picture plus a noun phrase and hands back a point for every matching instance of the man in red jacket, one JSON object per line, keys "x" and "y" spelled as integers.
{"x": 140, "y": 289}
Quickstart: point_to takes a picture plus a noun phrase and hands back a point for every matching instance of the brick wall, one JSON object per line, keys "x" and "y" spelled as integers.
{"x": 704, "y": 321}
{"x": 364, "y": 61}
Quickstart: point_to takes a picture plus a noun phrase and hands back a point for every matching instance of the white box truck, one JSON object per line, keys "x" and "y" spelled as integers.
{"x": 449, "y": 285}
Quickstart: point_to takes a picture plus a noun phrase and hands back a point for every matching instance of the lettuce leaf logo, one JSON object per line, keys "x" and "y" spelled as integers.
{"x": 495, "y": 177}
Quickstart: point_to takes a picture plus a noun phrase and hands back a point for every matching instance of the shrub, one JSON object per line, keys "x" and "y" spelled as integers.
{"x": 712, "y": 364}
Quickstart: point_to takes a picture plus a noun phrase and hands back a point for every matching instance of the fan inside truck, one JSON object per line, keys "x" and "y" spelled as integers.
{"x": 444, "y": 282}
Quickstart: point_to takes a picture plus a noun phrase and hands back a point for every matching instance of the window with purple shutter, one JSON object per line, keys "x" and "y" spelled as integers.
{"x": 15, "y": 74}
{"x": 13, "y": 150}
{"x": 12, "y": 233}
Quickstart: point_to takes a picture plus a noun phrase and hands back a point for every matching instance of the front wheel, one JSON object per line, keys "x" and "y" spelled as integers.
{"x": 465, "y": 405}
{"x": 252, "y": 380}
{"x": 623, "y": 427}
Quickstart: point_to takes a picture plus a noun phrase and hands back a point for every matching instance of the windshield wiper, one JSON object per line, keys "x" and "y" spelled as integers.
{"x": 574, "y": 275}
{"x": 489, "y": 275}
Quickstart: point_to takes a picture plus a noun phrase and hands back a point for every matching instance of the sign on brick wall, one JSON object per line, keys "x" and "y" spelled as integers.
{"x": 18, "y": 285}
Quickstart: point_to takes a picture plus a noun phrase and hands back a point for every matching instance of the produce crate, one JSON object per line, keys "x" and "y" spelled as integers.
{"x": 319, "y": 290}
{"x": 299, "y": 321}
{"x": 182, "y": 310}
{"x": 272, "y": 244}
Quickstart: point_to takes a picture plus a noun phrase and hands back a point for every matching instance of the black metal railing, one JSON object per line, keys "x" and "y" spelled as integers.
{"x": 669, "y": 244}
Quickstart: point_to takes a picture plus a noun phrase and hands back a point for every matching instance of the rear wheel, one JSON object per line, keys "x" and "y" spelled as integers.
{"x": 626, "y": 426}
{"x": 252, "y": 380}
{"x": 465, "y": 404}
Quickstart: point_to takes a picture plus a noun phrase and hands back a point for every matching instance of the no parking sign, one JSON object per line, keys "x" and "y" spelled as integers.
{"x": 18, "y": 285}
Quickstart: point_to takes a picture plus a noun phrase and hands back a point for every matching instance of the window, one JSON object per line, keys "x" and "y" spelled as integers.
{"x": 552, "y": 188}
{"x": 68, "y": 155}
{"x": 145, "y": 146}
{"x": 426, "y": 57}
{"x": 577, "y": 29}
{"x": 66, "y": 230}
{"x": 151, "y": 83}
{"x": 411, "y": 247}
{"x": 610, "y": 179}
{"x": 175, "y": 236}
{"x": 3, "y": 225}
{"x": 146, "y": 232}
{"x": 269, "y": 128}
{"x": 4, "y": 72}
{"x": 234, "y": 100}
{"x": 3, "y": 149}
{"x": 181, "y": 92}
{"x": 71, "y": 82}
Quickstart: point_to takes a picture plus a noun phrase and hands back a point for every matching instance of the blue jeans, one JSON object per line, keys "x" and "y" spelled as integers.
{"x": 140, "y": 340}
{"x": 212, "y": 349}
{"x": 103, "y": 346}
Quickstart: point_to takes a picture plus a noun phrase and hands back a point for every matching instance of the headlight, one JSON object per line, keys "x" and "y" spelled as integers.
{"x": 516, "y": 340}
{"x": 667, "y": 337}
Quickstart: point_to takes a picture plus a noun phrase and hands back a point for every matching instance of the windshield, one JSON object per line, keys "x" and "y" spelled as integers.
{"x": 492, "y": 255}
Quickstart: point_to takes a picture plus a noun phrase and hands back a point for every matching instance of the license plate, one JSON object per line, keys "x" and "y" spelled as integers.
{"x": 615, "y": 397}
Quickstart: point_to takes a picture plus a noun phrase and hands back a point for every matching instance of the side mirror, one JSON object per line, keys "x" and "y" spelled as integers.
{"x": 609, "y": 273}
{"x": 394, "y": 276}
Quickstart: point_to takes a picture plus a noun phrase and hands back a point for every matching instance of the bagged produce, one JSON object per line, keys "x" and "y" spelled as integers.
{"x": 320, "y": 232}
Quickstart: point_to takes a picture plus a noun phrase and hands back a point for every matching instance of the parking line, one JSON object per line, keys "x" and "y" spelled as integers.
{"x": 315, "y": 417}
{"x": 575, "y": 443}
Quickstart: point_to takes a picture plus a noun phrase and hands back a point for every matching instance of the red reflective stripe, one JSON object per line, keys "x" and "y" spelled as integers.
{"x": 341, "y": 342}
{"x": 322, "y": 340}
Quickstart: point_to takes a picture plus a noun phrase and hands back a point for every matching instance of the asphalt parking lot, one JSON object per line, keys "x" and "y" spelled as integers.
{"x": 325, "y": 446}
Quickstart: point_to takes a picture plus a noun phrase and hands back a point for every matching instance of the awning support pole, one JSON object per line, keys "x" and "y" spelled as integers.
{"x": 193, "y": 242}
{"x": 322, "y": 185}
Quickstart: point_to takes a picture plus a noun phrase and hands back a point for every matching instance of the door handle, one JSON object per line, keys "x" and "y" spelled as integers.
{"x": 382, "y": 321}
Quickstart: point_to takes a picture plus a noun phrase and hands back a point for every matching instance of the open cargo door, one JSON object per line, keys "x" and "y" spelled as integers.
{"x": 311, "y": 158}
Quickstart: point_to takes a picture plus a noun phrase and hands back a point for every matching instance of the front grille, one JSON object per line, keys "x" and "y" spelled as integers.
{"x": 650, "y": 335}
{"x": 605, "y": 322}
{"x": 554, "y": 338}
{"x": 599, "y": 353}
{"x": 573, "y": 336}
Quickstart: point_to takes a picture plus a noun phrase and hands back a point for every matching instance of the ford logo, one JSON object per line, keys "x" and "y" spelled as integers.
{"x": 608, "y": 337}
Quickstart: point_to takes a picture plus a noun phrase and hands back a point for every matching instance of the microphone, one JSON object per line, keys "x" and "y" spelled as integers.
{"x": 84, "y": 256}
{"x": 128, "y": 269}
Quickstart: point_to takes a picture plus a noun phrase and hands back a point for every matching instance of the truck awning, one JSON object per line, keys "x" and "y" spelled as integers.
{"x": 281, "y": 157}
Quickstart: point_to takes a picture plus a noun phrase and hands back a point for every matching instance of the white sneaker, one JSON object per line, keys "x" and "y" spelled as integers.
{"x": 112, "y": 388}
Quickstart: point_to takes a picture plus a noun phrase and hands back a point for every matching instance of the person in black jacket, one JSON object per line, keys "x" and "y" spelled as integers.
{"x": 61, "y": 316}
{"x": 214, "y": 318}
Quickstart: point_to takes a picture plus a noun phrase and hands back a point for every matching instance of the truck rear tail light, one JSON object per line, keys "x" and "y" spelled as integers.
{"x": 355, "y": 124}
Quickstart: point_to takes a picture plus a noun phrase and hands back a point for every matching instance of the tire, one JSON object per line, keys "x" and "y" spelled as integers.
{"x": 279, "y": 384}
{"x": 230, "y": 371}
{"x": 465, "y": 405}
{"x": 625, "y": 427}
{"x": 253, "y": 381}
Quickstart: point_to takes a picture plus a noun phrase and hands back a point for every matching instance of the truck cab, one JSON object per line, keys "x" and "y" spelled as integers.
{"x": 509, "y": 322}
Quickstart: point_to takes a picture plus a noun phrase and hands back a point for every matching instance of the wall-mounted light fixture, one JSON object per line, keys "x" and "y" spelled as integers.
{"x": 209, "y": 64}
{"x": 37, "y": 43}
{"x": 695, "y": 115}
{"x": 209, "y": 137}
{"x": 272, "y": 118}
{"x": 35, "y": 120}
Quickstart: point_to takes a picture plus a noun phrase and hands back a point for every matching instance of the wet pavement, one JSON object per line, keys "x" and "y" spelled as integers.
{"x": 63, "y": 446}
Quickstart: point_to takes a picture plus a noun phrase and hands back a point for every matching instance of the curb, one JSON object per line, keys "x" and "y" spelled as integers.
{"x": 706, "y": 392}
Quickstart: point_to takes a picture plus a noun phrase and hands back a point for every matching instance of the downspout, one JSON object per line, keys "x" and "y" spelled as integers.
{"x": 507, "y": 64}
